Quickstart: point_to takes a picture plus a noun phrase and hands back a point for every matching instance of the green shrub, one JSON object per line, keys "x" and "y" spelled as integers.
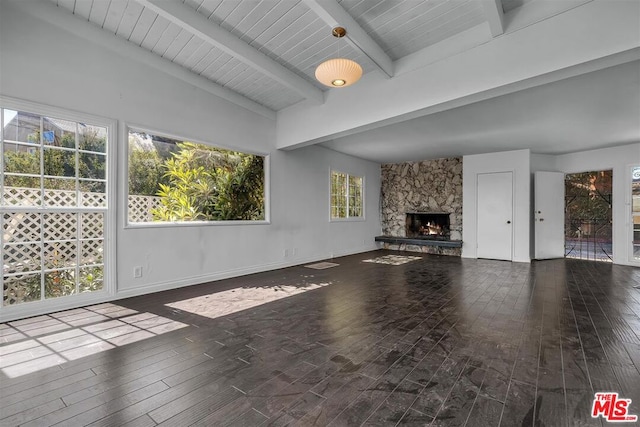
{"x": 211, "y": 184}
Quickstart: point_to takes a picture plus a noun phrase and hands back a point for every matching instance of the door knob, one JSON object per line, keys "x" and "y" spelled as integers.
{"x": 508, "y": 222}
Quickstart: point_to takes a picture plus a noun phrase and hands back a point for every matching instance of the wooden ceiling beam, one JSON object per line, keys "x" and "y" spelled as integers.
{"x": 333, "y": 14}
{"x": 495, "y": 16}
{"x": 195, "y": 23}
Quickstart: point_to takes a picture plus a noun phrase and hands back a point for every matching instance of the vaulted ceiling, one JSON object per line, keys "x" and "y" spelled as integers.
{"x": 262, "y": 55}
{"x": 268, "y": 50}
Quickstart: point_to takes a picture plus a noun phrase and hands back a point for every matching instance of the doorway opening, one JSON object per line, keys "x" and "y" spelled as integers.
{"x": 588, "y": 215}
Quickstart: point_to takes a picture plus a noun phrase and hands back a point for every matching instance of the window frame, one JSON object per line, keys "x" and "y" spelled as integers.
{"x": 124, "y": 184}
{"x": 110, "y": 211}
{"x": 631, "y": 214}
{"x": 362, "y": 189}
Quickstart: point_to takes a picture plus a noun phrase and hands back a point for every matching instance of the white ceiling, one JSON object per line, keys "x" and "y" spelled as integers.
{"x": 405, "y": 27}
{"x": 590, "y": 111}
{"x": 262, "y": 54}
{"x": 288, "y": 32}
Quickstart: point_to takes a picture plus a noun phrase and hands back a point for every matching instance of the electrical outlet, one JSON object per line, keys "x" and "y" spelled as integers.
{"x": 137, "y": 271}
{"x": 294, "y": 252}
{"x": 286, "y": 253}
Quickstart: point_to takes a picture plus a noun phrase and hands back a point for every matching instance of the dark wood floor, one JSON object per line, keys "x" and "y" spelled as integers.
{"x": 436, "y": 340}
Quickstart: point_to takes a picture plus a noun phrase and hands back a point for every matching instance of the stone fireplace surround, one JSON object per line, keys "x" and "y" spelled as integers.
{"x": 428, "y": 186}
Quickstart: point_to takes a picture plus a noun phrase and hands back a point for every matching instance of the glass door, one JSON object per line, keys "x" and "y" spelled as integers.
{"x": 53, "y": 208}
{"x": 589, "y": 215}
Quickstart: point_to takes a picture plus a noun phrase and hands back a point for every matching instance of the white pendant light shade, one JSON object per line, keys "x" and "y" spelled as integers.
{"x": 338, "y": 72}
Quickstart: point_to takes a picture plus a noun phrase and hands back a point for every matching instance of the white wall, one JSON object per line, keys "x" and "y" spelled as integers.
{"x": 517, "y": 162}
{"x": 44, "y": 64}
{"x": 299, "y": 223}
{"x": 543, "y": 162}
{"x": 619, "y": 159}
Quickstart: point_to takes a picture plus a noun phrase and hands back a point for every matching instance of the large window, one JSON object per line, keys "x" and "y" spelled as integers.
{"x": 172, "y": 181}
{"x": 53, "y": 206}
{"x": 346, "y": 195}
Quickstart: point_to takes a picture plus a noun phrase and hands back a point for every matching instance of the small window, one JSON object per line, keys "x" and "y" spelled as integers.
{"x": 172, "y": 180}
{"x": 346, "y": 195}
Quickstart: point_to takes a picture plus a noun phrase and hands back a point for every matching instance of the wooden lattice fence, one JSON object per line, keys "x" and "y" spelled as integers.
{"x": 57, "y": 241}
{"x": 22, "y": 231}
{"x": 139, "y": 207}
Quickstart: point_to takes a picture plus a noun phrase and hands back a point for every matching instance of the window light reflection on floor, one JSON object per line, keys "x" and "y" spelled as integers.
{"x": 322, "y": 265}
{"x": 392, "y": 259}
{"x": 234, "y": 300}
{"x": 41, "y": 342}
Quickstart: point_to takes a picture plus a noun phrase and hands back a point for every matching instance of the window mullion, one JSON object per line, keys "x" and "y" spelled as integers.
{"x": 41, "y": 148}
{"x": 2, "y": 135}
{"x": 348, "y": 195}
{"x": 2, "y": 197}
{"x": 78, "y": 215}
{"x": 40, "y": 214}
{"x": 77, "y": 168}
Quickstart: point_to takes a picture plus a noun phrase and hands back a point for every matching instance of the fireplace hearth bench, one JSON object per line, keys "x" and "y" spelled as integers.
{"x": 419, "y": 241}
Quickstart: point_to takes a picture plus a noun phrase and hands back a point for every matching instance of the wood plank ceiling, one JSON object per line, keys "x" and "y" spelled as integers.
{"x": 404, "y": 27}
{"x": 288, "y": 32}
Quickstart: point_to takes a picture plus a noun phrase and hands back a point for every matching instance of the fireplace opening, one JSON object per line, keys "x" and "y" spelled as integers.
{"x": 428, "y": 225}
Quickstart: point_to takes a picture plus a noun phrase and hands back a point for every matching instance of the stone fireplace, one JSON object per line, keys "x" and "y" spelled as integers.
{"x": 425, "y": 194}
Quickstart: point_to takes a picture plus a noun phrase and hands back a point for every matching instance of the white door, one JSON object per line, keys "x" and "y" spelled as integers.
{"x": 549, "y": 215}
{"x": 495, "y": 215}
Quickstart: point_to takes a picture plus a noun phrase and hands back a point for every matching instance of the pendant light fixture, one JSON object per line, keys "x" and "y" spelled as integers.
{"x": 338, "y": 72}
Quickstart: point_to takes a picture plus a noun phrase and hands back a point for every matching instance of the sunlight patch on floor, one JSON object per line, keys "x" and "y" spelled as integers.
{"x": 234, "y": 300}
{"x": 393, "y": 259}
{"x": 322, "y": 265}
{"x": 37, "y": 343}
